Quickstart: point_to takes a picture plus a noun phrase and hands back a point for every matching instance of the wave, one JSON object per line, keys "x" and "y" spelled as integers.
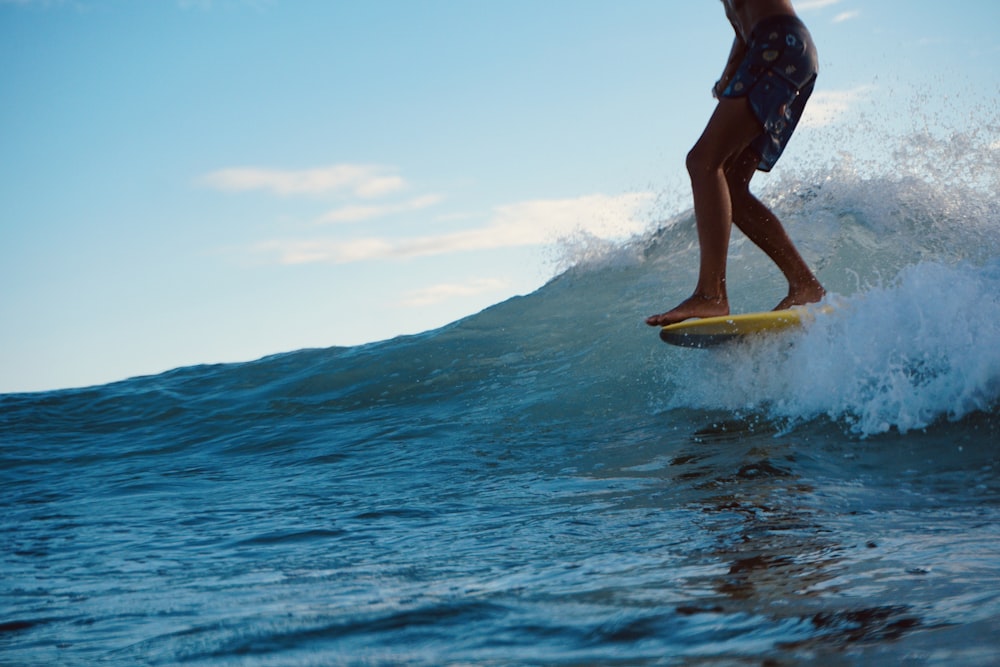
{"x": 912, "y": 265}
{"x": 913, "y": 269}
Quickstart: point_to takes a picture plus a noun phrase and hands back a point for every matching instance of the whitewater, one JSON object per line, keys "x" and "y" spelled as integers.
{"x": 544, "y": 482}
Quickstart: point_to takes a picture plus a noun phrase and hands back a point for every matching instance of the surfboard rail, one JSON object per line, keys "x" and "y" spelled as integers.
{"x": 712, "y": 331}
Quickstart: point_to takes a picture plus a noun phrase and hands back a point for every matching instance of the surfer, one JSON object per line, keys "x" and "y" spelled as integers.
{"x": 769, "y": 76}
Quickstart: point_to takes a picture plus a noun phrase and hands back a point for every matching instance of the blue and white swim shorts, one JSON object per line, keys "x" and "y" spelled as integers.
{"x": 777, "y": 77}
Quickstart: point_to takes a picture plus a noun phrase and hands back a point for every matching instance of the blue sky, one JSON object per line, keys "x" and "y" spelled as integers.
{"x": 187, "y": 181}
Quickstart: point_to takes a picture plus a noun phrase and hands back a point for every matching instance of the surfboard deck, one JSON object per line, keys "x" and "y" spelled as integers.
{"x": 712, "y": 331}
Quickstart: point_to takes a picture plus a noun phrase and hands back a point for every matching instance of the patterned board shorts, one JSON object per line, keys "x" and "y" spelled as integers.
{"x": 777, "y": 77}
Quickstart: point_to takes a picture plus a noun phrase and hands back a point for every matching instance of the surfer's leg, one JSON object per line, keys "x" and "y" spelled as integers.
{"x": 762, "y": 226}
{"x": 732, "y": 126}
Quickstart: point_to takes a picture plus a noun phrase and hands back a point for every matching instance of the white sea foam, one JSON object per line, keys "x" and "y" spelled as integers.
{"x": 904, "y": 356}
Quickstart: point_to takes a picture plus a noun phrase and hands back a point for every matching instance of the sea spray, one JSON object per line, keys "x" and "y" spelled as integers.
{"x": 904, "y": 356}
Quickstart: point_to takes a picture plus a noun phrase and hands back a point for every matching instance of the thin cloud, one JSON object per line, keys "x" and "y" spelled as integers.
{"x": 359, "y": 213}
{"x": 809, "y": 5}
{"x": 846, "y": 16}
{"x": 826, "y": 106}
{"x": 529, "y": 223}
{"x": 365, "y": 181}
{"x": 428, "y": 296}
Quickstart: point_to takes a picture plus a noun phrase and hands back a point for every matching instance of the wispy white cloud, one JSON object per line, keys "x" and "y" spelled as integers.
{"x": 360, "y": 212}
{"x": 846, "y": 16}
{"x": 826, "y": 106}
{"x": 528, "y": 223}
{"x": 365, "y": 181}
{"x": 539, "y": 221}
{"x": 809, "y": 5}
{"x": 429, "y": 296}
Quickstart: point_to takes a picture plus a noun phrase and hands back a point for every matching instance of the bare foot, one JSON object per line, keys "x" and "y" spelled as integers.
{"x": 801, "y": 296}
{"x": 695, "y": 306}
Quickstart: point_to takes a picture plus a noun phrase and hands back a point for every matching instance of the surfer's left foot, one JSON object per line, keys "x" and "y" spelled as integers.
{"x": 697, "y": 305}
{"x": 800, "y": 297}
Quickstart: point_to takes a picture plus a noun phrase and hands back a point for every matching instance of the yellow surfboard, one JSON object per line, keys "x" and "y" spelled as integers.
{"x": 710, "y": 331}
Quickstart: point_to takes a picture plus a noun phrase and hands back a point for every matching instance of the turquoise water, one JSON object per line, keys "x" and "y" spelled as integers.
{"x": 545, "y": 482}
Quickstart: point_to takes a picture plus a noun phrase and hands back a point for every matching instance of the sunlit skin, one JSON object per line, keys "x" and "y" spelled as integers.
{"x": 721, "y": 165}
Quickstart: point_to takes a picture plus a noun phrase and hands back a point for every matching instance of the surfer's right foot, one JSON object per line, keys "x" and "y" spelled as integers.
{"x": 697, "y": 305}
{"x": 810, "y": 292}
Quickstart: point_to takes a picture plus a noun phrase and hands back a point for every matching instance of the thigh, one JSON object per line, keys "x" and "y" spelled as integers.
{"x": 740, "y": 168}
{"x": 730, "y": 130}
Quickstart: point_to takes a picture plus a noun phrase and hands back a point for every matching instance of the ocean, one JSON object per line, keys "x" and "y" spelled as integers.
{"x": 545, "y": 482}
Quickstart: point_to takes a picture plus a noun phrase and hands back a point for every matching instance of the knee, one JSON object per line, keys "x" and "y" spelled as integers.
{"x": 701, "y": 161}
